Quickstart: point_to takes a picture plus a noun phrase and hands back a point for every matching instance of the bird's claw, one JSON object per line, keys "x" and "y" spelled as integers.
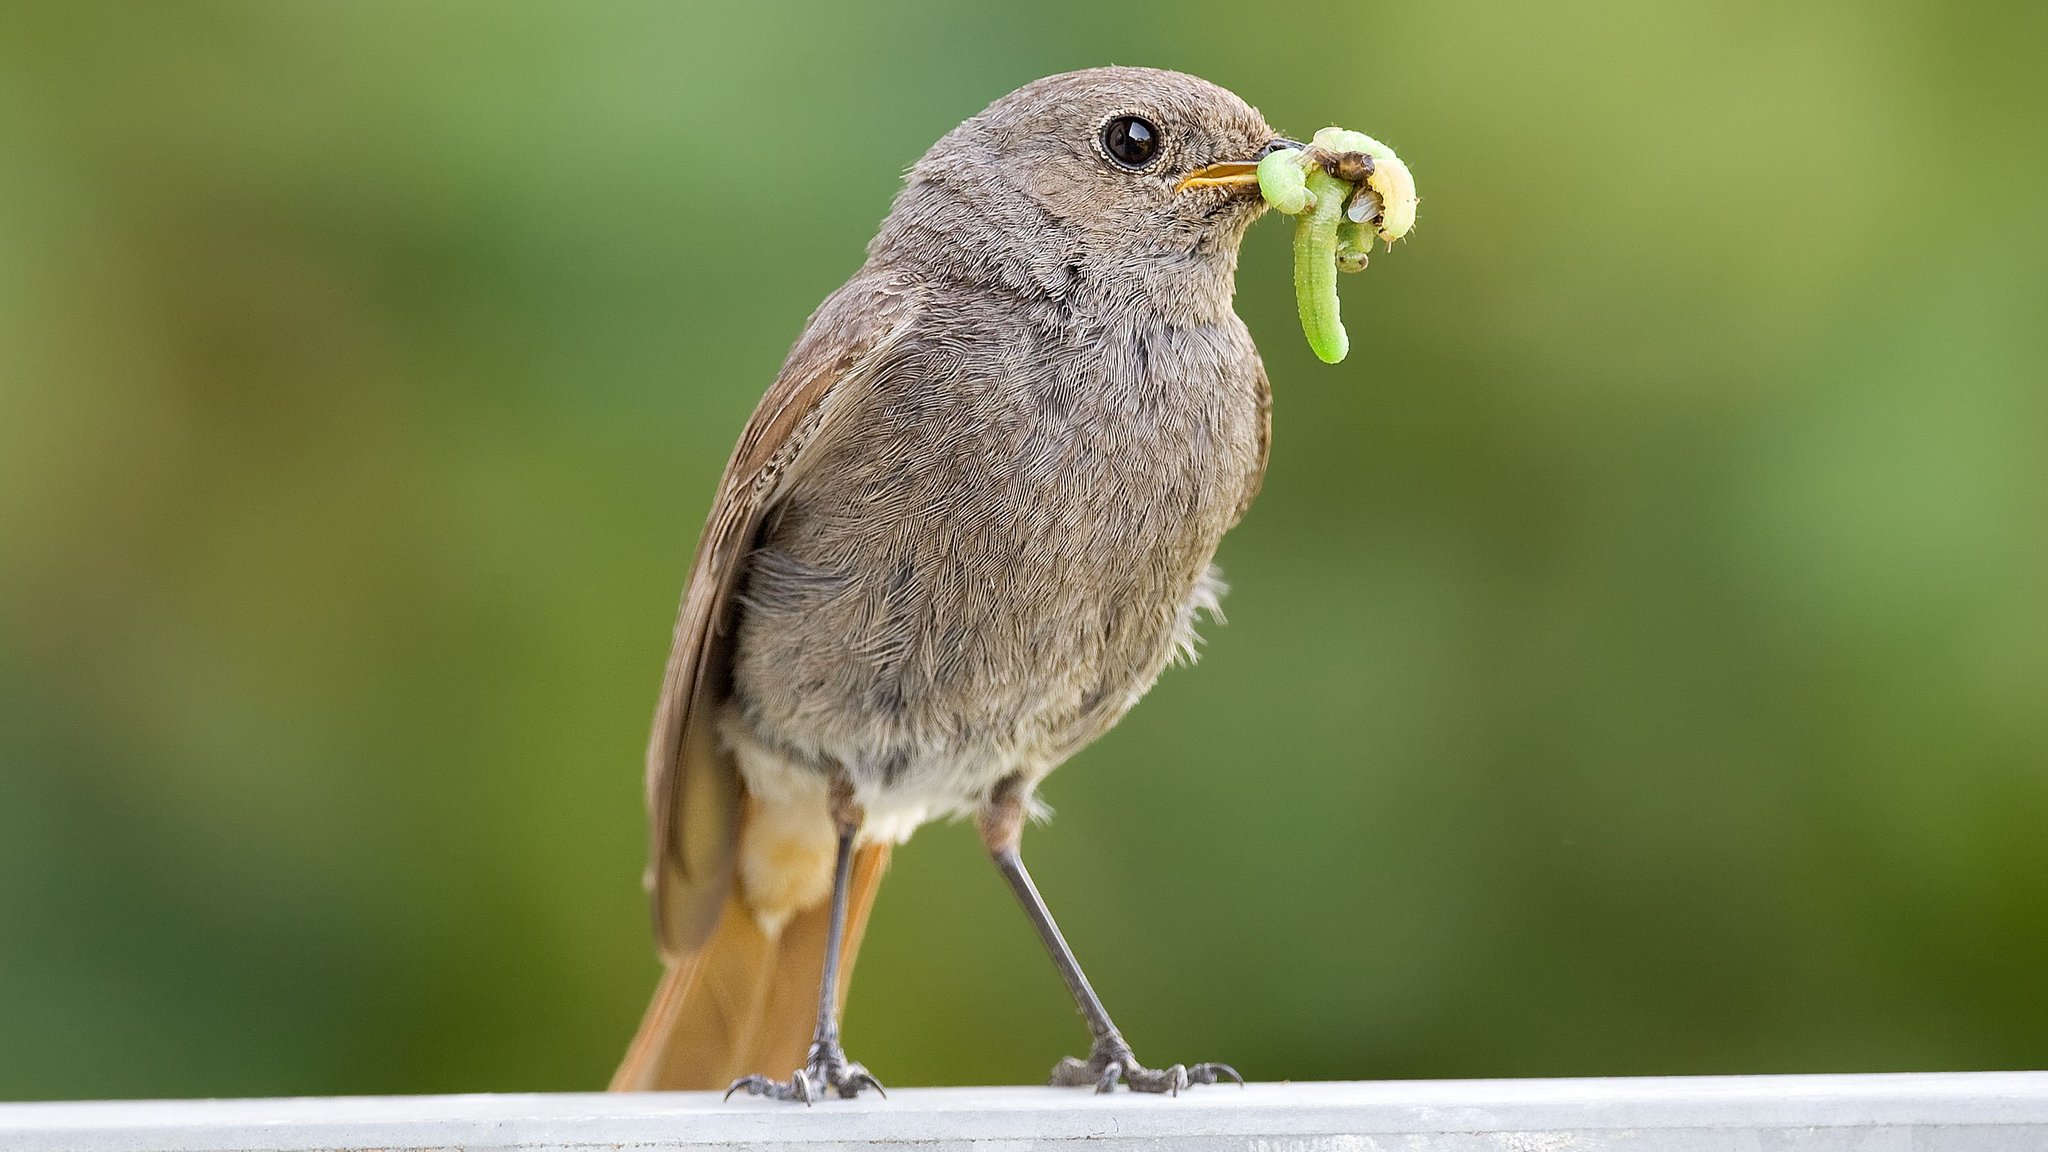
{"x": 1113, "y": 1061}
{"x": 826, "y": 1069}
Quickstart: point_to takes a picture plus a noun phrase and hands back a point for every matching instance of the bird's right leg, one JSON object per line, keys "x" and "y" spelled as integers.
{"x": 1111, "y": 1058}
{"x": 826, "y": 1068}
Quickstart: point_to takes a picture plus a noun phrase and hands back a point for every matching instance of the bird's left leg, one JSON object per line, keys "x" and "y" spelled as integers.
{"x": 1111, "y": 1058}
{"x": 826, "y": 1066}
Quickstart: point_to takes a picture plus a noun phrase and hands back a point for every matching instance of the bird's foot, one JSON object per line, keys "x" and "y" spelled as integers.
{"x": 1112, "y": 1060}
{"x": 826, "y": 1069}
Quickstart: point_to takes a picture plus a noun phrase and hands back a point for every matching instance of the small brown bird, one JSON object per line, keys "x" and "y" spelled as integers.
{"x": 963, "y": 533}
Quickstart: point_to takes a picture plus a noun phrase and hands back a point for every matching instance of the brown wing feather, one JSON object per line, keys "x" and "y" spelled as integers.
{"x": 693, "y": 788}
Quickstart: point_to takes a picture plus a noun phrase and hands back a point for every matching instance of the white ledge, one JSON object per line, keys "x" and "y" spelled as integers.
{"x": 1974, "y": 1111}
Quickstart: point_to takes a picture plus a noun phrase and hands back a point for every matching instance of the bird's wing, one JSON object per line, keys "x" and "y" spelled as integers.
{"x": 693, "y": 787}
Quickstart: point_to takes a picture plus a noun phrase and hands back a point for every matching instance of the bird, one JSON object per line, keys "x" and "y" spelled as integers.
{"x": 966, "y": 528}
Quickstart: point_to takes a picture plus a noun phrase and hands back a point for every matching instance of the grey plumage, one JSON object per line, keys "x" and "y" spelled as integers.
{"x": 974, "y": 517}
{"x": 990, "y": 553}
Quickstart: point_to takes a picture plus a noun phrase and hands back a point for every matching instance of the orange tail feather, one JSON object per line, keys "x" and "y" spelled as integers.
{"x": 746, "y": 1002}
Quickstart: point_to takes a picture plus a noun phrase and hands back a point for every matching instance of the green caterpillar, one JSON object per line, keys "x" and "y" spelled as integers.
{"x": 1343, "y": 189}
{"x": 1315, "y": 268}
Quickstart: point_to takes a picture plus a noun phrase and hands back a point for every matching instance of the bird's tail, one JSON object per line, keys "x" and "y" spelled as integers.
{"x": 746, "y": 1002}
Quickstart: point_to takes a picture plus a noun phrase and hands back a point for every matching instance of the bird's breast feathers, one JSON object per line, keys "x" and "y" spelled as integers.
{"x": 978, "y": 578}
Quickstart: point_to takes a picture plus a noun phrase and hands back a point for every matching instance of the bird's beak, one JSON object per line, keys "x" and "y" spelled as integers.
{"x": 1233, "y": 174}
{"x": 1237, "y": 175}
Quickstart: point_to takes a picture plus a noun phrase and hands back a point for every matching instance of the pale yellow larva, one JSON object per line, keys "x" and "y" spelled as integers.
{"x": 1396, "y": 187}
{"x": 1390, "y": 179}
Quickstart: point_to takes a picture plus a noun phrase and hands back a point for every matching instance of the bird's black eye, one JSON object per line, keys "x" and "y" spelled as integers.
{"x": 1131, "y": 141}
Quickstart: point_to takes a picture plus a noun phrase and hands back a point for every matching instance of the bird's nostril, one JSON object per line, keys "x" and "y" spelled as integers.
{"x": 1279, "y": 144}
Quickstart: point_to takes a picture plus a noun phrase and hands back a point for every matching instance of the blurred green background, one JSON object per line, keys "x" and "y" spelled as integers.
{"x": 1636, "y": 661}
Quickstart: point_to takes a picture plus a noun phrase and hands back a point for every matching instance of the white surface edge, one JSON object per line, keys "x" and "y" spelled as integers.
{"x": 1993, "y": 1111}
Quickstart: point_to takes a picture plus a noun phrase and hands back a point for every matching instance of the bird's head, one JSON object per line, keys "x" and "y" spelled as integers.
{"x": 1131, "y": 173}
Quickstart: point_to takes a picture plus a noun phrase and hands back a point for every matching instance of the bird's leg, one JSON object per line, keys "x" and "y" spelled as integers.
{"x": 1111, "y": 1058}
{"x": 826, "y": 1067}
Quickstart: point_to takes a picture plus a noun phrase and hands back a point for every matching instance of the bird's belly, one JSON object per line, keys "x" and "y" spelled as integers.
{"x": 929, "y": 635}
